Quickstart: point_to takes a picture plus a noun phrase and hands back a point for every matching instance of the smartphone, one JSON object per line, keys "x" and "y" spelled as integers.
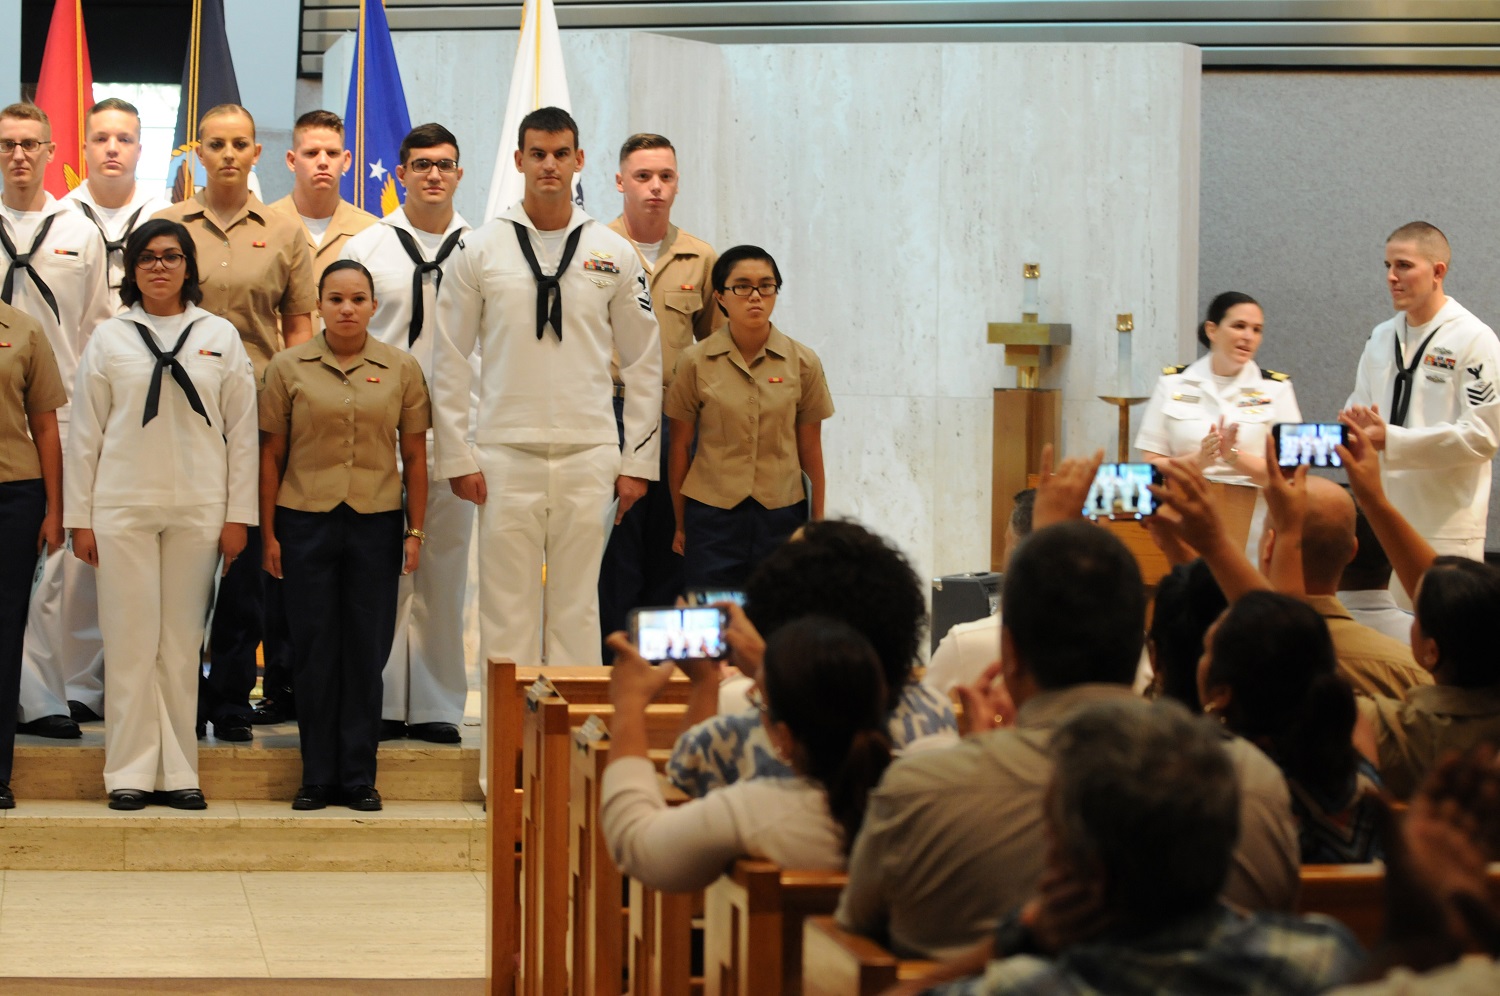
{"x": 1310, "y": 443}
{"x": 708, "y": 596}
{"x": 1121, "y": 491}
{"x": 667, "y": 634}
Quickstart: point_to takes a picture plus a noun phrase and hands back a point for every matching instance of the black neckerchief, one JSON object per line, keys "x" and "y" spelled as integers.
{"x": 414, "y": 330}
{"x": 547, "y": 286}
{"x": 165, "y": 362}
{"x": 112, "y": 245}
{"x": 1401, "y": 392}
{"x": 23, "y": 262}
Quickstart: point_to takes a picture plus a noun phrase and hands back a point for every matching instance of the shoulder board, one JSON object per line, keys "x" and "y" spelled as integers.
{"x": 1174, "y": 370}
{"x": 1275, "y": 375}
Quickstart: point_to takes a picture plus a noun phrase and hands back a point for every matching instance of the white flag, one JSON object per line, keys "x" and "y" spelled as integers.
{"x": 538, "y": 80}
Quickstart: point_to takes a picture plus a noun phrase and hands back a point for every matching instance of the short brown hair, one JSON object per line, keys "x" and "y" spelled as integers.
{"x": 220, "y": 110}
{"x": 642, "y": 141}
{"x": 114, "y": 104}
{"x": 1428, "y": 238}
{"x": 318, "y": 119}
{"x": 27, "y": 111}
{"x": 427, "y": 136}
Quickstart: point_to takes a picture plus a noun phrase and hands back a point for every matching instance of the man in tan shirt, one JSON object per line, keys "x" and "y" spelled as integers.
{"x": 257, "y": 273}
{"x": 317, "y": 160}
{"x": 1372, "y": 662}
{"x": 639, "y": 566}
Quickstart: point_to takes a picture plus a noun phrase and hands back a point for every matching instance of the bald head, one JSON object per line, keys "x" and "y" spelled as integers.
{"x": 1328, "y": 542}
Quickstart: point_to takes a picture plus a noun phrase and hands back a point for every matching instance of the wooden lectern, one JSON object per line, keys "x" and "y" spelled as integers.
{"x": 1235, "y": 504}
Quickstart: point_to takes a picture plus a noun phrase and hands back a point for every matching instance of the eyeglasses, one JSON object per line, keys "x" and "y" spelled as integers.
{"x": 766, "y": 289}
{"x": 27, "y": 145}
{"x": 168, "y": 261}
{"x": 425, "y": 165}
{"x": 756, "y": 697}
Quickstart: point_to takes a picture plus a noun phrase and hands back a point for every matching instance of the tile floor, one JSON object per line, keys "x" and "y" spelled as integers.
{"x": 388, "y": 925}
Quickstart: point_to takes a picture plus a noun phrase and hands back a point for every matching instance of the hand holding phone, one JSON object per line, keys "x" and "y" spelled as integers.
{"x": 1122, "y": 491}
{"x": 710, "y": 596}
{"x": 1312, "y": 444}
{"x": 667, "y": 634}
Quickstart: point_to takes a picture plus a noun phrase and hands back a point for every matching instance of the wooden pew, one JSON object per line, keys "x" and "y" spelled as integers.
{"x": 596, "y": 925}
{"x": 503, "y": 747}
{"x": 544, "y": 843}
{"x": 1352, "y": 894}
{"x": 661, "y": 931}
{"x": 838, "y": 963}
{"x": 753, "y": 926}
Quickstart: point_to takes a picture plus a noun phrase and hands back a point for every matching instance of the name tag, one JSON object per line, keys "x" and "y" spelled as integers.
{"x": 1192, "y": 398}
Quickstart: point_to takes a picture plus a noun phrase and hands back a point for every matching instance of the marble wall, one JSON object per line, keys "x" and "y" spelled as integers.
{"x": 900, "y": 187}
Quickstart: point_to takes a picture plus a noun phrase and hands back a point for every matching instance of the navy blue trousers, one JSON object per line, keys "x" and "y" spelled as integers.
{"x": 23, "y": 504}
{"x": 249, "y": 611}
{"x": 723, "y": 545}
{"x": 341, "y": 570}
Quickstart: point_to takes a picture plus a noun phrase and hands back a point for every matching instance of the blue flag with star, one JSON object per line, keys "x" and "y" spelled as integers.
{"x": 375, "y": 118}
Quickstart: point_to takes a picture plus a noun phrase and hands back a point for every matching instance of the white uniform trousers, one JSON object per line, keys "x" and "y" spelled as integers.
{"x": 1473, "y": 549}
{"x": 426, "y": 677}
{"x": 62, "y": 633}
{"x": 546, "y": 503}
{"x": 156, "y": 568}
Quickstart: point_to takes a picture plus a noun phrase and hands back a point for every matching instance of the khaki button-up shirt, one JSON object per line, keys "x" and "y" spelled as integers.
{"x": 347, "y": 221}
{"x": 747, "y": 416}
{"x": 1372, "y": 662}
{"x": 342, "y": 423}
{"x": 252, "y": 271}
{"x": 1412, "y": 735}
{"x": 682, "y": 295}
{"x": 29, "y": 385}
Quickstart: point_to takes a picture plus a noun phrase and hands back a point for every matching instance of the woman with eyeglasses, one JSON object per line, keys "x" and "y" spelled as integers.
{"x": 756, "y": 400}
{"x": 160, "y": 484}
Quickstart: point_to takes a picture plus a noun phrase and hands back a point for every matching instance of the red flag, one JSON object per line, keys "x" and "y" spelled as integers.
{"x": 66, "y": 92}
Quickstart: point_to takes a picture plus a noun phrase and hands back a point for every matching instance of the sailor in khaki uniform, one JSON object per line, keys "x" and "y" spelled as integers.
{"x": 756, "y": 400}
{"x": 317, "y": 161}
{"x": 257, "y": 274}
{"x": 55, "y": 271}
{"x": 31, "y": 392}
{"x": 334, "y": 414}
{"x": 407, "y": 252}
{"x": 639, "y": 566}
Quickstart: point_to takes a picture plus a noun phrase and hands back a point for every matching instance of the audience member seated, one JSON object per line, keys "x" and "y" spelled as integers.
{"x": 832, "y": 568}
{"x": 1269, "y": 674}
{"x": 1457, "y": 602}
{"x": 1188, "y": 600}
{"x": 1372, "y": 663}
{"x": 1438, "y": 905}
{"x": 970, "y": 647}
{"x": 1142, "y": 817}
{"x": 954, "y": 839}
{"x": 821, "y": 699}
{"x": 1365, "y": 588}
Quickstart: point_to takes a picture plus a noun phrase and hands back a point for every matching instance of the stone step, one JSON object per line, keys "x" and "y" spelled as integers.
{"x": 243, "y": 835}
{"x": 268, "y": 768}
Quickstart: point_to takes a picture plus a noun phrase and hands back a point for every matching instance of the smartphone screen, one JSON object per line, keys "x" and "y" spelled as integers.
{"x": 678, "y": 634}
{"x": 710, "y": 596}
{"x": 1310, "y": 443}
{"x": 1122, "y": 491}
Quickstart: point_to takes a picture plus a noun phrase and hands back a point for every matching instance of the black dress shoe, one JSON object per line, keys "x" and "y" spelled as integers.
{"x": 435, "y": 733}
{"x": 7, "y": 797}
{"x": 182, "y": 799}
{"x": 82, "y": 713}
{"x": 392, "y": 729}
{"x": 270, "y": 712}
{"x": 310, "y": 797}
{"x": 233, "y": 728}
{"x": 363, "y": 798}
{"x": 202, "y": 730}
{"x": 128, "y": 800}
{"x": 56, "y": 727}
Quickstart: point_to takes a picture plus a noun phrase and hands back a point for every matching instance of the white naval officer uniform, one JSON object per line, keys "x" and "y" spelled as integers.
{"x": 1436, "y": 465}
{"x": 62, "y": 627}
{"x": 84, "y": 680}
{"x": 545, "y": 435}
{"x": 157, "y": 496}
{"x": 426, "y": 678}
